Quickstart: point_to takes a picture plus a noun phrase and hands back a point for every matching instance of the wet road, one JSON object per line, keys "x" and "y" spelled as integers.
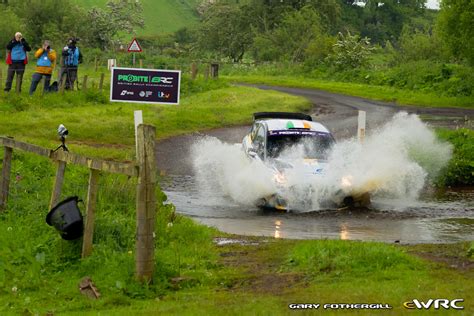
{"x": 445, "y": 218}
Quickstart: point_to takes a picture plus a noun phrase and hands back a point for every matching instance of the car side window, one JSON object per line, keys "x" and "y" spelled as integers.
{"x": 259, "y": 141}
{"x": 253, "y": 132}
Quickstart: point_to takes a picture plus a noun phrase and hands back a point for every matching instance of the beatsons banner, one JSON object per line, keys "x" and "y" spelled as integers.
{"x": 145, "y": 85}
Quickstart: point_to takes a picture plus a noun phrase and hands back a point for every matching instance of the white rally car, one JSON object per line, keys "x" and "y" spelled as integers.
{"x": 293, "y": 145}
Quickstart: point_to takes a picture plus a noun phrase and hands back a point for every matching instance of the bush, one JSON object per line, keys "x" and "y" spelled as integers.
{"x": 460, "y": 170}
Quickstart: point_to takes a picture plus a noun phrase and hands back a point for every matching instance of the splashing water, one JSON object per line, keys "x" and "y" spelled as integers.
{"x": 395, "y": 161}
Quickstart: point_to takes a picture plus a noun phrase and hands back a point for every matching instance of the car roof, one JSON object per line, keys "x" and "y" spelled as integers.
{"x": 287, "y": 124}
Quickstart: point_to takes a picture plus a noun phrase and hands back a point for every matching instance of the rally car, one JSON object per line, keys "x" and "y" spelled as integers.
{"x": 293, "y": 145}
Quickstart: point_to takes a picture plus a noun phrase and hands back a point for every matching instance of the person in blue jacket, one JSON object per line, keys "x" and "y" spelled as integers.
{"x": 16, "y": 60}
{"x": 71, "y": 58}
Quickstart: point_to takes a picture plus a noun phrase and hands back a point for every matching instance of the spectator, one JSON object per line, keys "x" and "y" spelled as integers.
{"x": 16, "y": 60}
{"x": 44, "y": 67}
{"x": 71, "y": 59}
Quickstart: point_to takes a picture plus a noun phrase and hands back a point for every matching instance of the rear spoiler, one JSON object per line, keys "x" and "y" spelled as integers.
{"x": 281, "y": 115}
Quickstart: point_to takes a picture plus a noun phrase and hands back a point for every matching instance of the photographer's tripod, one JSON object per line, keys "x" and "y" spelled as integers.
{"x": 63, "y": 145}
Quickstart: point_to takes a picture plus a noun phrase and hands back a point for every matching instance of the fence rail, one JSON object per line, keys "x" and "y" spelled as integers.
{"x": 144, "y": 168}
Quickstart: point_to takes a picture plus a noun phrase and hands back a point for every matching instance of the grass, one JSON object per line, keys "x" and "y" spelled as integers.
{"x": 382, "y": 93}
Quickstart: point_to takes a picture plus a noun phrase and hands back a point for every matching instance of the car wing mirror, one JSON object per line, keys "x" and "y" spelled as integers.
{"x": 252, "y": 153}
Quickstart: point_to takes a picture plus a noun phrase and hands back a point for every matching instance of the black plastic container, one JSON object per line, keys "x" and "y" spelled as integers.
{"x": 67, "y": 218}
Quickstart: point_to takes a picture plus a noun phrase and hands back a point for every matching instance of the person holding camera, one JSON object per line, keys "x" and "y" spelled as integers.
{"x": 44, "y": 67}
{"x": 16, "y": 60}
{"x": 71, "y": 59}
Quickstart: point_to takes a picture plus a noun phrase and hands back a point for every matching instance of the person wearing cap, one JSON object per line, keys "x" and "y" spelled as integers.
{"x": 44, "y": 67}
{"x": 16, "y": 60}
{"x": 71, "y": 59}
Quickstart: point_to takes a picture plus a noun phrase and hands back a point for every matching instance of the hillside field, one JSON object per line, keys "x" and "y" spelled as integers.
{"x": 161, "y": 16}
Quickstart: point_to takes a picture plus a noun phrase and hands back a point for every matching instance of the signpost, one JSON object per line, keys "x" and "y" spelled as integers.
{"x": 134, "y": 47}
{"x": 145, "y": 85}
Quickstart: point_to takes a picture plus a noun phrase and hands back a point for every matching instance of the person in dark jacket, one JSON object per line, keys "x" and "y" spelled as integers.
{"x": 16, "y": 60}
{"x": 71, "y": 59}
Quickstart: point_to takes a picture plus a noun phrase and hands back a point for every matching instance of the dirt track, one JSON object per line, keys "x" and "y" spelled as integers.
{"x": 338, "y": 112}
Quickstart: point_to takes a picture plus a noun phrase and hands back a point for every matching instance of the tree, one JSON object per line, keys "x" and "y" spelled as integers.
{"x": 9, "y": 24}
{"x": 350, "y": 51}
{"x": 456, "y": 24}
{"x": 226, "y": 31}
{"x": 290, "y": 40}
{"x": 47, "y": 19}
{"x": 120, "y": 15}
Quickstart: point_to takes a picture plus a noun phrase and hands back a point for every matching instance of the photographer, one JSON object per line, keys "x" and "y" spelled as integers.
{"x": 44, "y": 67}
{"x": 71, "y": 59}
{"x": 16, "y": 60}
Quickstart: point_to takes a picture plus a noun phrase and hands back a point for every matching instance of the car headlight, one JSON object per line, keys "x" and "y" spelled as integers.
{"x": 346, "y": 181}
{"x": 279, "y": 178}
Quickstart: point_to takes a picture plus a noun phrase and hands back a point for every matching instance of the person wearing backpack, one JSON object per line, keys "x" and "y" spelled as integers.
{"x": 72, "y": 57}
{"x": 44, "y": 67}
{"x": 16, "y": 60}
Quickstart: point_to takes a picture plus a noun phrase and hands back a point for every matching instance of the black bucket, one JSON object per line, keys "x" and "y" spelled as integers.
{"x": 67, "y": 218}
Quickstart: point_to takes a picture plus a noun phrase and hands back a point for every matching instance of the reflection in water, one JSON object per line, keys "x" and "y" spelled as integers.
{"x": 277, "y": 229}
{"x": 344, "y": 232}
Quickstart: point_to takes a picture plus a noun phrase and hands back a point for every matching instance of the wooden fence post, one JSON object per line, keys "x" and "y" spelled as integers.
{"x": 58, "y": 184}
{"x": 5, "y": 184}
{"x": 90, "y": 213}
{"x": 84, "y": 83}
{"x": 95, "y": 64}
{"x": 146, "y": 203}
{"x": 101, "y": 82}
{"x": 206, "y": 72}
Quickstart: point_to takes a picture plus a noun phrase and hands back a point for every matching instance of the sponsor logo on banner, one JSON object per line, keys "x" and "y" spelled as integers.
{"x": 145, "y": 85}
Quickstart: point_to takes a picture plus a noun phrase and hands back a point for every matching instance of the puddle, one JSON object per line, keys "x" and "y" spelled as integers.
{"x": 436, "y": 218}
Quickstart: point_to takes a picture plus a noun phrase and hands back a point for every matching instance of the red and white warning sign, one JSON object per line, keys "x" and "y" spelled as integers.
{"x": 134, "y": 47}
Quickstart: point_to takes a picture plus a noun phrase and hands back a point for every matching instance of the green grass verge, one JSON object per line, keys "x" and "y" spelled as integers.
{"x": 382, "y": 93}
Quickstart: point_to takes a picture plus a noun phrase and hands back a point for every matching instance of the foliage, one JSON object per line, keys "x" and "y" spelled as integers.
{"x": 9, "y": 24}
{"x": 291, "y": 39}
{"x": 456, "y": 26}
{"x": 47, "y": 19}
{"x": 350, "y": 51}
{"x": 120, "y": 15}
{"x": 420, "y": 45}
{"x": 460, "y": 170}
{"x": 226, "y": 31}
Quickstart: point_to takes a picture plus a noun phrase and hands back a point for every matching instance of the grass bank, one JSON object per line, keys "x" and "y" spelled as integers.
{"x": 381, "y": 93}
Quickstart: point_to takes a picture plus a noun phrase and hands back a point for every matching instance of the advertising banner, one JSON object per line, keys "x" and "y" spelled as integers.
{"x": 145, "y": 85}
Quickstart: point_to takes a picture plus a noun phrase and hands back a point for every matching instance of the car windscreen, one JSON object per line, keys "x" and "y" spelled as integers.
{"x": 305, "y": 144}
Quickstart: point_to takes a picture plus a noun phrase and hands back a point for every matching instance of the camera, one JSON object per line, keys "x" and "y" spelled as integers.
{"x": 62, "y": 131}
{"x": 73, "y": 41}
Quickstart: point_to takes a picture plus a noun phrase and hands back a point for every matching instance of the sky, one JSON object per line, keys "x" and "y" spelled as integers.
{"x": 432, "y": 4}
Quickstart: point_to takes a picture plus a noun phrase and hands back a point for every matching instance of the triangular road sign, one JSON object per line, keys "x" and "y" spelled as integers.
{"x": 134, "y": 47}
